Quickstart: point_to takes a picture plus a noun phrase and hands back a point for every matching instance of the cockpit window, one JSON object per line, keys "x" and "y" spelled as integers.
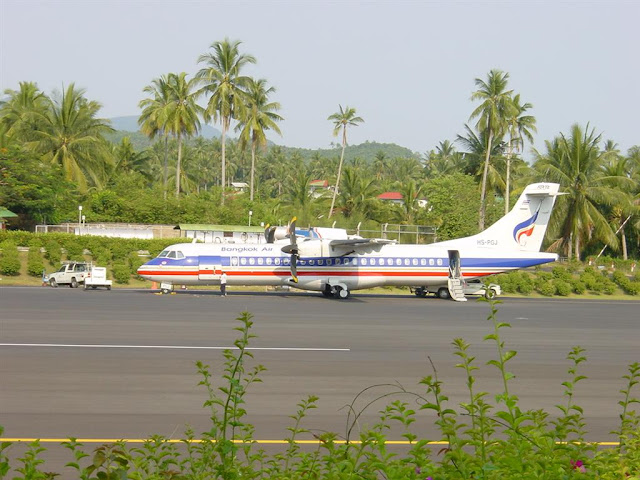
{"x": 171, "y": 254}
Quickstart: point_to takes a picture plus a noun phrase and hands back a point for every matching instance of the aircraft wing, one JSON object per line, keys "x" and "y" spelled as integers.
{"x": 357, "y": 243}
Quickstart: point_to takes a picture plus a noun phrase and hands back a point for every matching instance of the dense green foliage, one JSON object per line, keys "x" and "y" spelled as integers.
{"x": 55, "y": 154}
{"x": 487, "y": 437}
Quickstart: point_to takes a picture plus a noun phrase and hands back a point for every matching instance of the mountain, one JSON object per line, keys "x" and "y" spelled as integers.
{"x": 366, "y": 151}
{"x": 130, "y": 124}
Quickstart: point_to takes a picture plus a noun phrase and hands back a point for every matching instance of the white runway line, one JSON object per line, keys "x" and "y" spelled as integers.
{"x": 175, "y": 347}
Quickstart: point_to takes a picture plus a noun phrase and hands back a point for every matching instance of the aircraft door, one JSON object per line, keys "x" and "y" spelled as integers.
{"x": 209, "y": 268}
{"x": 454, "y": 264}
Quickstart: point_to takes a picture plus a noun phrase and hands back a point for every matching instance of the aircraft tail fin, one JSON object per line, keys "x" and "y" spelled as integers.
{"x": 524, "y": 227}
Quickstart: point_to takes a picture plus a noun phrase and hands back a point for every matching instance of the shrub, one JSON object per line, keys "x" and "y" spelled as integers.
{"x": 561, "y": 273}
{"x": 547, "y": 288}
{"x": 121, "y": 273}
{"x": 9, "y": 261}
{"x": 101, "y": 256}
{"x": 562, "y": 288}
{"x": 578, "y": 287}
{"x": 134, "y": 262}
{"x": 53, "y": 253}
{"x": 609, "y": 288}
{"x": 35, "y": 265}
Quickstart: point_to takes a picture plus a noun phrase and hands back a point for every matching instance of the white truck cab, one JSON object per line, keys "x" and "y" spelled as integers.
{"x": 70, "y": 273}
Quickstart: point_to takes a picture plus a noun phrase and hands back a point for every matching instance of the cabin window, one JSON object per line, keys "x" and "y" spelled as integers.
{"x": 277, "y": 261}
{"x": 312, "y": 262}
{"x": 252, "y": 261}
{"x": 423, "y": 261}
{"x": 234, "y": 261}
{"x": 414, "y": 262}
{"x": 347, "y": 261}
{"x": 439, "y": 261}
{"x": 398, "y": 261}
{"x": 269, "y": 260}
{"x": 171, "y": 254}
{"x": 381, "y": 261}
{"x": 179, "y": 255}
{"x": 363, "y": 261}
{"x": 389, "y": 261}
{"x": 163, "y": 254}
{"x": 321, "y": 262}
{"x": 355, "y": 261}
{"x": 286, "y": 261}
{"x": 243, "y": 261}
{"x": 260, "y": 261}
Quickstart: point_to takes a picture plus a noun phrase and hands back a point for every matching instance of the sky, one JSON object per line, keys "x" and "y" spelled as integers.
{"x": 407, "y": 67}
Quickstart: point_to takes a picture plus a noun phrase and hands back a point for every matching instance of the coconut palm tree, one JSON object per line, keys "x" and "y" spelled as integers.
{"x": 520, "y": 126}
{"x": 223, "y": 83}
{"x": 492, "y": 115}
{"x": 575, "y": 162}
{"x": 259, "y": 117}
{"x": 475, "y": 151}
{"x": 341, "y": 120}
{"x": 69, "y": 134}
{"x": 153, "y": 118}
{"x": 182, "y": 114}
{"x": 357, "y": 193}
{"x": 14, "y": 111}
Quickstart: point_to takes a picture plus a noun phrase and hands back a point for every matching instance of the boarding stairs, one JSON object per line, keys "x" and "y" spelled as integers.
{"x": 456, "y": 289}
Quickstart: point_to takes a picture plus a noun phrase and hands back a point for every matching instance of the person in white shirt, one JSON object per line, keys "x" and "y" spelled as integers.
{"x": 223, "y": 284}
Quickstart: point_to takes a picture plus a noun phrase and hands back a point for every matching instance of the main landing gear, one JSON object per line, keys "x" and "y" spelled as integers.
{"x": 336, "y": 291}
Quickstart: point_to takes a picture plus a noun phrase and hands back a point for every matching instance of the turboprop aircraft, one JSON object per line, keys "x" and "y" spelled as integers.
{"x": 337, "y": 266}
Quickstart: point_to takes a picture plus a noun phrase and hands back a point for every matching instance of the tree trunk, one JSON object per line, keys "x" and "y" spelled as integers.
{"x": 335, "y": 190}
{"x": 623, "y": 238}
{"x": 253, "y": 167}
{"x": 483, "y": 192}
{"x": 178, "y": 165}
{"x": 506, "y": 196}
{"x": 166, "y": 165}
{"x": 223, "y": 181}
{"x": 578, "y": 247}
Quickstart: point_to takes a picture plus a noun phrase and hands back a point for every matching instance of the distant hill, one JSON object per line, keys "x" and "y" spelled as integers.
{"x": 130, "y": 124}
{"x": 367, "y": 151}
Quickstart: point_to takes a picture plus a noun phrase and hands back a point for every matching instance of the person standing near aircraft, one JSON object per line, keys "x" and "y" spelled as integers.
{"x": 223, "y": 284}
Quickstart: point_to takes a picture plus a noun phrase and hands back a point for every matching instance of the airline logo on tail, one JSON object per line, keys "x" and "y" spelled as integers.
{"x": 525, "y": 229}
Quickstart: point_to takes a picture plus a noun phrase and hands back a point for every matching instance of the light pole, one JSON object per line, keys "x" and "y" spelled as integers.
{"x": 250, "y": 213}
{"x": 79, "y": 218}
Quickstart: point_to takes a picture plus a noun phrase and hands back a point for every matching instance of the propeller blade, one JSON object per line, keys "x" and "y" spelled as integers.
{"x": 294, "y": 268}
{"x": 293, "y": 249}
{"x": 270, "y": 233}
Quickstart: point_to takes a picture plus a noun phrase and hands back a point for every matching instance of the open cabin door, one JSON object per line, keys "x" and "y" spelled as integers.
{"x": 209, "y": 268}
{"x": 454, "y": 281}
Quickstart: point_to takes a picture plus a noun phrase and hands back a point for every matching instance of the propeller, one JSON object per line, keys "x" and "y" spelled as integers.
{"x": 292, "y": 249}
{"x": 270, "y": 233}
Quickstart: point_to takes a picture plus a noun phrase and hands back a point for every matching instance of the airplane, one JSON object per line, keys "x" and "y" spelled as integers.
{"x": 340, "y": 264}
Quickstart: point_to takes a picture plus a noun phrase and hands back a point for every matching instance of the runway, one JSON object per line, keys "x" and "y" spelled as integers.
{"x": 121, "y": 363}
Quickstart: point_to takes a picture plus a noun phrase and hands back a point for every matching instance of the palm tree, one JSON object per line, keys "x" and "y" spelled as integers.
{"x": 519, "y": 126}
{"x": 153, "y": 118}
{"x": 341, "y": 120}
{"x": 575, "y": 162}
{"x": 259, "y": 117}
{"x": 475, "y": 146}
{"x": 14, "y": 111}
{"x": 492, "y": 113}
{"x": 225, "y": 87}
{"x": 357, "y": 195}
{"x": 182, "y": 114}
{"x": 68, "y": 134}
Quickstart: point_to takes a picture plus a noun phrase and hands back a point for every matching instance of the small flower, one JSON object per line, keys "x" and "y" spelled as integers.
{"x": 578, "y": 465}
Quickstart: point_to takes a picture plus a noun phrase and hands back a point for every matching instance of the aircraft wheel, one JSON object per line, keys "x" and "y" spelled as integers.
{"x": 342, "y": 293}
{"x": 53, "y": 283}
{"x": 165, "y": 291}
{"x": 444, "y": 293}
{"x": 420, "y": 292}
{"x": 108, "y": 287}
{"x": 489, "y": 293}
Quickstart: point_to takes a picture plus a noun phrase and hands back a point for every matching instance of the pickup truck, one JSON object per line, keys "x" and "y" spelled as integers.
{"x": 71, "y": 273}
{"x": 470, "y": 287}
{"x": 97, "y": 277}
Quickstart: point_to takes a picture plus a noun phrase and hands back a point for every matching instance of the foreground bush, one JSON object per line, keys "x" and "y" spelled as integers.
{"x": 489, "y": 436}
{"x": 9, "y": 259}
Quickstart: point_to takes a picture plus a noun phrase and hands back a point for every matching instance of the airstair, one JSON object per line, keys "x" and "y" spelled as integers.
{"x": 456, "y": 290}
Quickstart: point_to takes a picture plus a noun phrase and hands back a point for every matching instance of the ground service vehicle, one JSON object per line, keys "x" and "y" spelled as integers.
{"x": 70, "y": 273}
{"x": 97, "y": 277}
{"x": 469, "y": 287}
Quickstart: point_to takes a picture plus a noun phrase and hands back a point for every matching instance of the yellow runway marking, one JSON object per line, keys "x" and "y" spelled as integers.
{"x": 263, "y": 442}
